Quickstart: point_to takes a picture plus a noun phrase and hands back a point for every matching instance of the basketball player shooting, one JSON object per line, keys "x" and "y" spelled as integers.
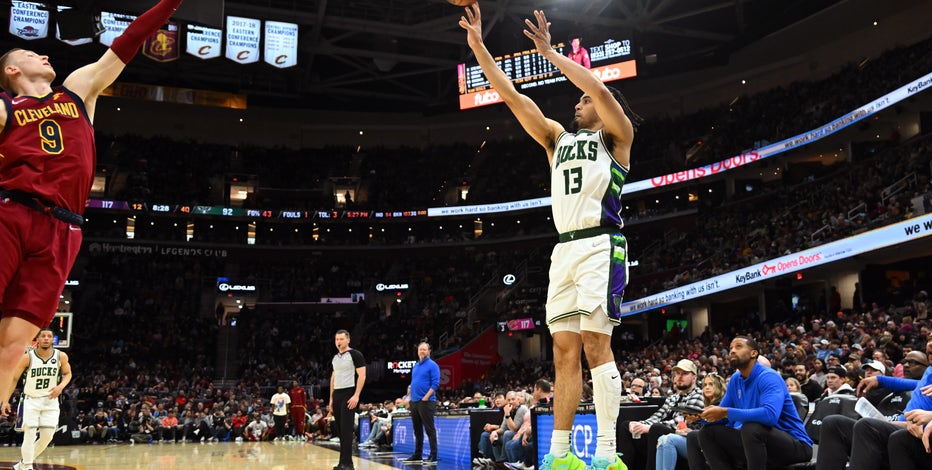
{"x": 588, "y": 271}
{"x": 47, "y": 160}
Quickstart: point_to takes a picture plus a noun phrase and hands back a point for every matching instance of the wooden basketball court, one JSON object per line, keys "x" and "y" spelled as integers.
{"x": 220, "y": 455}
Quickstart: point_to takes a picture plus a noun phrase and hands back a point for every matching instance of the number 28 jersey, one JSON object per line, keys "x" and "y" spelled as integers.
{"x": 586, "y": 183}
{"x": 41, "y": 375}
{"x": 47, "y": 148}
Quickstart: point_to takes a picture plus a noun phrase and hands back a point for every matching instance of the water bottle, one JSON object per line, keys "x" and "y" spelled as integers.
{"x": 482, "y": 403}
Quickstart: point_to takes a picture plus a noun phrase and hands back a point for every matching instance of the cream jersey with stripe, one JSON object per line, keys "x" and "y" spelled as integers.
{"x": 42, "y": 375}
{"x": 586, "y": 182}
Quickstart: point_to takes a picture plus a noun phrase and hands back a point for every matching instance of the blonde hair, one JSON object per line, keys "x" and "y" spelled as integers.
{"x": 4, "y": 61}
{"x": 718, "y": 387}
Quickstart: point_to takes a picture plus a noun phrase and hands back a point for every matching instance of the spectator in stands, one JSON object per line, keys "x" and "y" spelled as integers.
{"x": 757, "y": 422}
{"x": 257, "y": 430}
{"x": 672, "y": 447}
{"x": 519, "y": 450}
{"x": 915, "y": 364}
{"x": 835, "y": 383}
{"x": 637, "y": 390}
{"x": 869, "y": 443}
{"x": 168, "y": 428}
{"x": 807, "y": 386}
{"x": 493, "y": 432}
{"x": 638, "y": 439}
{"x": 818, "y": 373}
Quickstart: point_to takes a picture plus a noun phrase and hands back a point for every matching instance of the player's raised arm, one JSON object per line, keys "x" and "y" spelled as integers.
{"x": 544, "y": 131}
{"x": 88, "y": 81}
{"x": 616, "y": 124}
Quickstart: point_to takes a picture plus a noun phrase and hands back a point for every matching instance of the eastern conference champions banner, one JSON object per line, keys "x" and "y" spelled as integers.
{"x": 243, "y": 36}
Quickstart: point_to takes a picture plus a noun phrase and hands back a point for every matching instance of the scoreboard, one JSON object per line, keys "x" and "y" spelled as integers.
{"x": 610, "y": 60}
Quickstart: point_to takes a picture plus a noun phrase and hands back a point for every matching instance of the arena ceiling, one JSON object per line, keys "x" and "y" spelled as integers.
{"x": 402, "y": 54}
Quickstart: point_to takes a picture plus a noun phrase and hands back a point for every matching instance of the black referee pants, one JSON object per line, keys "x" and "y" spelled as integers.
{"x": 343, "y": 415}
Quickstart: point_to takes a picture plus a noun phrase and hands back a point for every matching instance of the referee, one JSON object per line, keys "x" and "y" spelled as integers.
{"x": 425, "y": 379}
{"x": 349, "y": 375}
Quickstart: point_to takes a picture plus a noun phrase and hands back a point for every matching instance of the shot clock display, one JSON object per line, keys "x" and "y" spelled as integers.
{"x": 610, "y": 60}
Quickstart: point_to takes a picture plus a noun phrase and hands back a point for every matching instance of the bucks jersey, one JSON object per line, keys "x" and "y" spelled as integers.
{"x": 41, "y": 375}
{"x": 586, "y": 182}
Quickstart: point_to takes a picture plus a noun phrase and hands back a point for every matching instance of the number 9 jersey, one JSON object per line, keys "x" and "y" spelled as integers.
{"x": 586, "y": 183}
{"x": 47, "y": 148}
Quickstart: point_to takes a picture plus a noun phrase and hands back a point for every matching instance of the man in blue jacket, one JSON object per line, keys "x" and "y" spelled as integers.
{"x": 425, "y": 379}
{"x": 756, "y": 424}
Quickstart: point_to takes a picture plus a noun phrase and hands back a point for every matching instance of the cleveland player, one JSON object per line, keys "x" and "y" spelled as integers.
{"x": 47, "y": 160}
{"x": 588, "y": 269}
{"x": 47, "y": 373}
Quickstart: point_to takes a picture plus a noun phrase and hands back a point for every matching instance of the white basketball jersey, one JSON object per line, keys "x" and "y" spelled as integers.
{"x": 586, "y": 183}
{"x": 42, "y": 375}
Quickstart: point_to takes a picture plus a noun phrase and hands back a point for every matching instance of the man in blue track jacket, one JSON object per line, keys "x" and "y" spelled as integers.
{"x": 425, "y": 379}
{"x": 756, "y": 424}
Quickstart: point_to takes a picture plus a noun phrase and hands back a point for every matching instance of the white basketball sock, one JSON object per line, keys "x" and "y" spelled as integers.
{"x": 559, "y": 442}
{"x": 606, "y": 394}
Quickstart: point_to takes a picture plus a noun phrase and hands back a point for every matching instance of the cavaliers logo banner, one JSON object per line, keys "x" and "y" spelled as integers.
{"x": 27, "y": 21}
{"x": 72, "y": 42}
{"x": 115, "y": 24}
{"x": 163, "y": 45}
{"x": 243, "y": 39}
{"x": 204, "y": 43}
{"x": 281, "y": 44}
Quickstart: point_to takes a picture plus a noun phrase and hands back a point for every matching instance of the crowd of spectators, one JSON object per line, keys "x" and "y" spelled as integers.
{"x": 157, "y": 170}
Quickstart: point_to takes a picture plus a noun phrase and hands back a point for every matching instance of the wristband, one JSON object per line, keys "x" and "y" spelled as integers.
{"x": 127, "y": 44}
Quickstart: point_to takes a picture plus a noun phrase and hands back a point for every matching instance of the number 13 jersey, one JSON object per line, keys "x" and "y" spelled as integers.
{"x": 47, "y": 148}
{"x": 586, "y": 183}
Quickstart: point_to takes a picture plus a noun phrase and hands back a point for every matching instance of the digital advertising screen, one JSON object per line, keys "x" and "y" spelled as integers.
{"x": 610, "y": 59}
{"x": 365, "y": 427}
{"x": 582, "y": 436}
{"x": 452, "y": 437}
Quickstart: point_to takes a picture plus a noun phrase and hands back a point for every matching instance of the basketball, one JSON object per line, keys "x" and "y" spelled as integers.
{"x": 461, "y": 3}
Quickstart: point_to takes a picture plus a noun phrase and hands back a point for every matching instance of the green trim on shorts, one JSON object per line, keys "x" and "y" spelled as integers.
{"x": 567, "y": 315}
{"x": 587, "y": 233}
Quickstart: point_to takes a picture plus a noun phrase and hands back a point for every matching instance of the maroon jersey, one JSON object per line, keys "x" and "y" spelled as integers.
{"x": 298, "y": 396}
{"x": 47, "y": 148}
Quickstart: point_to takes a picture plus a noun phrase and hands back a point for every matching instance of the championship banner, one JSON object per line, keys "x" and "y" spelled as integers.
{"x": 243, "y": 39}
{"x": 204, "y": 43}
{"x": 70, "y": 42}
{"x": 281, "y": 44}
{"x": 115, "y": 25}
{"x": 27, "y": 21}
{"x": 163, "y": 45}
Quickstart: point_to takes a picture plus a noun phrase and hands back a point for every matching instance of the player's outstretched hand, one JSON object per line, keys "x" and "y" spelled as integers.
{"x": 6, "y": 409}
{"x": 472, "y": 23}
{"x": 540, "y": 32}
